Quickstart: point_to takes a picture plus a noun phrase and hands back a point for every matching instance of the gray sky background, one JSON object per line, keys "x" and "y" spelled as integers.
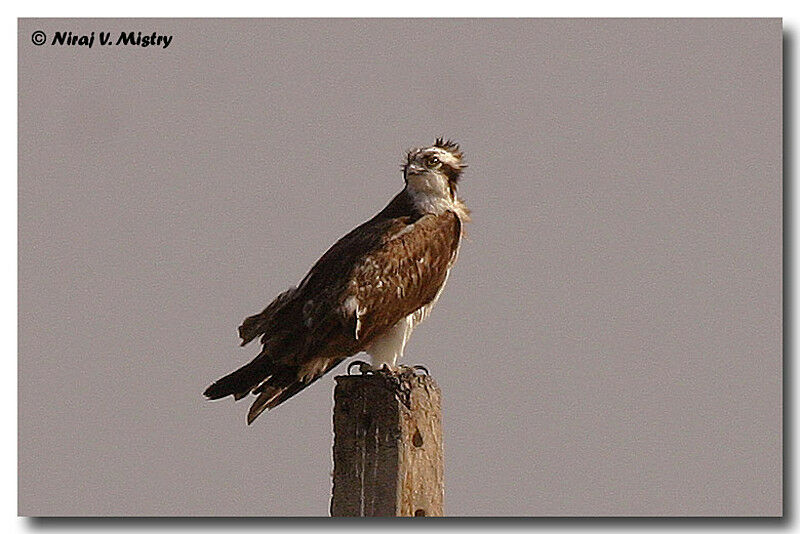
{"x": 609, "y": 341}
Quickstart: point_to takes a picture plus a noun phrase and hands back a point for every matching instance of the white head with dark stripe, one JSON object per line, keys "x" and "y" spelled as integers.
{"x": 432, "y": 173}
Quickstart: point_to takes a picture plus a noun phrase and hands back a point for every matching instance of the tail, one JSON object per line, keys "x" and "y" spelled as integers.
{"x": 242, "y": 381}
{"x": 274, "y": 384}
{"x": 272, "y": 375}
{"x": 284, "y": 384}
{"x": 270, "y": 326}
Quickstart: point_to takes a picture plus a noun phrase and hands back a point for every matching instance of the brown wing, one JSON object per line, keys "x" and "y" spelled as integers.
{"x": 399, "y": 277}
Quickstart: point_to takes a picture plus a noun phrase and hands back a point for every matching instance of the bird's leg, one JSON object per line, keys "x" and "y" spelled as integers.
{"x": 422, "y": 369}
{"x": 385, "y": 369}
{"x": 363, "y": 367}
{"x": 412, "y": 370}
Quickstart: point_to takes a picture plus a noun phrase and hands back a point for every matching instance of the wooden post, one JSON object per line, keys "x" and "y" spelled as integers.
{"x": 387, "y": 449}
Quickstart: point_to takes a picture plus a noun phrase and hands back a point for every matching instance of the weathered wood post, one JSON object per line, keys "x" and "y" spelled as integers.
{"x": 387, "y": 449}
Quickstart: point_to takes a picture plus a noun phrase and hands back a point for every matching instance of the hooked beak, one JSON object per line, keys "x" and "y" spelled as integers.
{"x": 414, "y": 169}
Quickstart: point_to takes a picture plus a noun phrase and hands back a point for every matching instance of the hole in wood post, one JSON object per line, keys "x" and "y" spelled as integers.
{"x": 417, "y": 440}
{"x": 419, "y": 513}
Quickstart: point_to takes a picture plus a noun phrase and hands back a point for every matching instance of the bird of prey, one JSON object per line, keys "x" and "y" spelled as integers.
{"x": 366, "y": 293}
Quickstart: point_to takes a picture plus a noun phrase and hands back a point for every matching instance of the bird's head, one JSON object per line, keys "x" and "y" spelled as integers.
{"x": 434, "y": 170}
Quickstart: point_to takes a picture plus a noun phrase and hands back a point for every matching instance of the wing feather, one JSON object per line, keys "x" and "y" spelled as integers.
{"x": 383, "y": 274}
{"x": 406, "y": 273}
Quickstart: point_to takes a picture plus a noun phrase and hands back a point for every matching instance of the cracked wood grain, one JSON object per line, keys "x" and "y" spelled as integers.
{"x": 387, "y": 448}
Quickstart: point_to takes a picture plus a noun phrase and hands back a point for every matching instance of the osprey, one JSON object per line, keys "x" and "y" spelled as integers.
{"x": 366, "y": 293}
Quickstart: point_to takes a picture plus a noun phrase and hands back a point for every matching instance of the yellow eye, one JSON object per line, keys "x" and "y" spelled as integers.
{"x": 432, "y": 162}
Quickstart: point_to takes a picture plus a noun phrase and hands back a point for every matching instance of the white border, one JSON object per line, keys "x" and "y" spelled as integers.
{"x": 407, "y": 8}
